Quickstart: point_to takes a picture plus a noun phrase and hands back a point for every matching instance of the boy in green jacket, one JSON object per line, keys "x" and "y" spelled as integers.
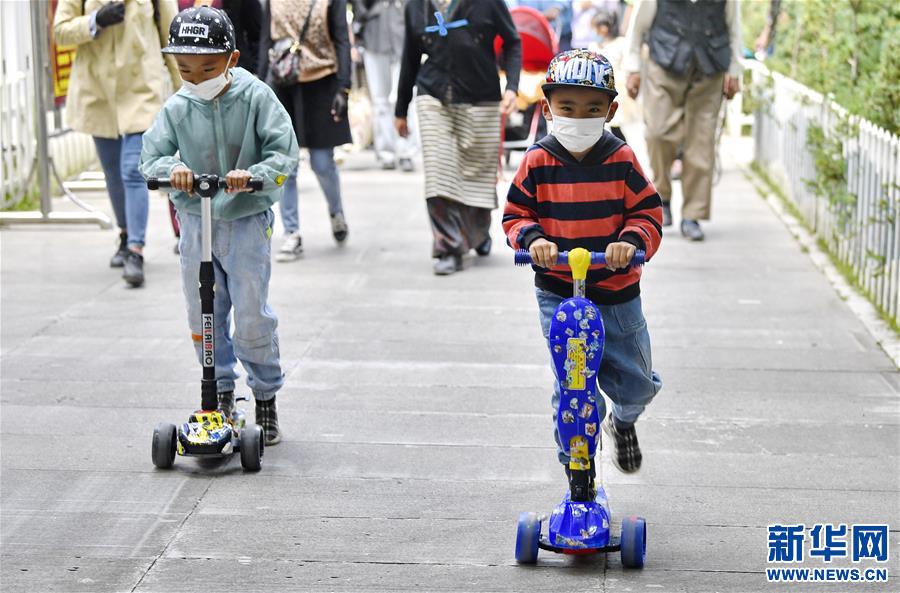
{"x": 224, "y": 121}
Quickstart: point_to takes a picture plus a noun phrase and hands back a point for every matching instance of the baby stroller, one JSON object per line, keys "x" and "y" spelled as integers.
{"x": 539, "y": 46}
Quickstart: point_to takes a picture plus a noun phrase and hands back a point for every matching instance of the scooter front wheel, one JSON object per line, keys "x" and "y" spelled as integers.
{"x": 634, "y": 542}
{"x": 252, "y": 444}
{"x": 528, "y": 535}
{"x": 163, "y": 450}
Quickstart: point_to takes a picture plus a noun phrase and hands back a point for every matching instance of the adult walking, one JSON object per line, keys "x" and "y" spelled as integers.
{"x": 379, "y": 25}
{"x": 459, "y": 105}
{"x": 115, "y": 91}
{"x": 309, "y": 69}
{"x": 694, "y": 60}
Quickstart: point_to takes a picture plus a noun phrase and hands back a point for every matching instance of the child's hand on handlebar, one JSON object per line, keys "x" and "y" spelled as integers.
{"x": 237, "y": 180}
{"x": 543, "y": 253}
{"x": 182, "y": 179}
{"x": 619, "y": 254}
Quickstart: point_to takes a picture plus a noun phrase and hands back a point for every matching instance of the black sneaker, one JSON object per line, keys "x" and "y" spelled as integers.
{"x": 625, "y": 448}
{"x": 485, "y": 248}
{"x": 134, "y": 269}
{"x": 267, "y": 419}
{"x": 118, "y": 258}
{"x": 667, "y": 214}
{"x": 226, "y": 404}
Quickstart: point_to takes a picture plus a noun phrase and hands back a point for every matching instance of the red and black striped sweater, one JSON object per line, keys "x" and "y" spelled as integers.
{"x": 590, "y": 203}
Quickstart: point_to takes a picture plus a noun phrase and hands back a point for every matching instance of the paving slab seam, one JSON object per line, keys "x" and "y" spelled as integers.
{"x": 174, "y": 535}
{"x": 610, "y": 481}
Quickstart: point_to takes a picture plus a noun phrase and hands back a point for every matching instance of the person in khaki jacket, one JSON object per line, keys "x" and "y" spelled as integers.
{"x": 115, "y": 91}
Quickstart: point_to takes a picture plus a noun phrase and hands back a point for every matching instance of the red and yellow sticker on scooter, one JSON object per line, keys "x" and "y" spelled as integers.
{"x": 578, "y": 453}
{"x": 575, "y": 356}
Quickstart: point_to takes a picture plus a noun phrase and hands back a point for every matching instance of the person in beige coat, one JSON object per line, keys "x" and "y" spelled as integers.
{"x": 116, "y": 88}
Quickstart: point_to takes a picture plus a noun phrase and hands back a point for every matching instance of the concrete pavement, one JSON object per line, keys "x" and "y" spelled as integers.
{"x": 416, "y": 413}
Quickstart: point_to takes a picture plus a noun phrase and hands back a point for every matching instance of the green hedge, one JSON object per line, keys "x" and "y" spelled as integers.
{"x": 847, "y": 48}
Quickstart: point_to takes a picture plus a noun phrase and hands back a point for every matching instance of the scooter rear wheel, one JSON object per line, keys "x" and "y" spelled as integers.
{"x": 528, "y": 535}
{"x": 634, "y": 542}
{"x": 252, "y": 444}
{"x": 163, "y": 450}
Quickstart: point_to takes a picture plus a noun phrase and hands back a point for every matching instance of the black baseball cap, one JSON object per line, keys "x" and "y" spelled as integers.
{"x": 200, "y": 30}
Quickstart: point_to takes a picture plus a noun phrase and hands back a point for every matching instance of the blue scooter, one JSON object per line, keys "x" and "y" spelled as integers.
{"x": 208, "y": 433}
{"x": 580, "y": 524}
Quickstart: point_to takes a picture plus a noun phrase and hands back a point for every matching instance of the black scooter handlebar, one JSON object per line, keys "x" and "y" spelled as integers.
{"x": 205, "y": 185}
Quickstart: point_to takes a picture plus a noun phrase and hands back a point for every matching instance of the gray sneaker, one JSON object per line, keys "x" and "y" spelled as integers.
{"x": 291, "y": 248}
{"x": 339, "y": 227}
{"x": 447, "y": 264}
{"x": 691, "y": 230}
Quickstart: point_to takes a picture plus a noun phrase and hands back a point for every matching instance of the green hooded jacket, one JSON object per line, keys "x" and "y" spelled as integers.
{"x": 244, "y": 128}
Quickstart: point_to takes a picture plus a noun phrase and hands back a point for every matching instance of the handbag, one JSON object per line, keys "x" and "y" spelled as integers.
{"x": 284, "y": 56}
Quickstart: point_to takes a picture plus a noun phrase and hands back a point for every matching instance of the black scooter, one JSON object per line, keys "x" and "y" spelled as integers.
{"x": 208, "y": 433}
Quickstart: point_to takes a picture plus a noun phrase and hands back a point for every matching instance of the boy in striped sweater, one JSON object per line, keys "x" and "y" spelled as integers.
{"x": 583, "y": 187}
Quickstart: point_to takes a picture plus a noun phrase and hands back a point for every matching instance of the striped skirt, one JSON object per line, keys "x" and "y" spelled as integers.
{"x": 460, "y": 148}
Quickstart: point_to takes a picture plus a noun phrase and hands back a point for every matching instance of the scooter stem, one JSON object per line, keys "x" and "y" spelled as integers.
{"x": 209, "y": 391}
{"x": 579, "y": 262}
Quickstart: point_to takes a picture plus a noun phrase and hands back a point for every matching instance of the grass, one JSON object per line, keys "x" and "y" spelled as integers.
{"x": 29, "y": 202}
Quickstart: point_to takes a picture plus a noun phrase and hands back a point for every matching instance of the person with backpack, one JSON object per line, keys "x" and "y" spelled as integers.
{"x": 305, "y": 58}
{"x": 115, "y": 91}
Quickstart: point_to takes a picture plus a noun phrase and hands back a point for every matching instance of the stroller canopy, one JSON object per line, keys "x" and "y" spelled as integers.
{"x": 539, "y": 43}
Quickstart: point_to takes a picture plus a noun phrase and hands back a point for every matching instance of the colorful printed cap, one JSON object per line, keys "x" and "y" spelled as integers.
{"x": 581, "y": 68}
{"x": 201, "y": 30}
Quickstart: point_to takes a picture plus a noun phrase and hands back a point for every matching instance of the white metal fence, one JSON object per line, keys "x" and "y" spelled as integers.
{"x": 861, "y": 231}
{"x": 72, "y": 152}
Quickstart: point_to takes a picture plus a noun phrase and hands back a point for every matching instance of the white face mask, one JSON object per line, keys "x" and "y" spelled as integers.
{"x": 577, "y": 134}
{"x": 208, "y": 89}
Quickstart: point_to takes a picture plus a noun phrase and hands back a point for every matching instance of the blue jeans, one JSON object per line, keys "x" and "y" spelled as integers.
{"x": 626, "y": 372}
{"x": 127, "y": 188}
{"x": 322, "y": 162}
{"x": 242, "y": 259}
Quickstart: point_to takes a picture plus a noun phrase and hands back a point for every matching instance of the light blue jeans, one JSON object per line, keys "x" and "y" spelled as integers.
{"x": 242, "y": 259}
{"x": 626, "y": 371}
{"x": 127, "y": 188}
{"x": 322, "y": 162}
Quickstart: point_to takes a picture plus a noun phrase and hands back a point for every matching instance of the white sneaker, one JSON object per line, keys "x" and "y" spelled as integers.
{"x": 291, "y": 248}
